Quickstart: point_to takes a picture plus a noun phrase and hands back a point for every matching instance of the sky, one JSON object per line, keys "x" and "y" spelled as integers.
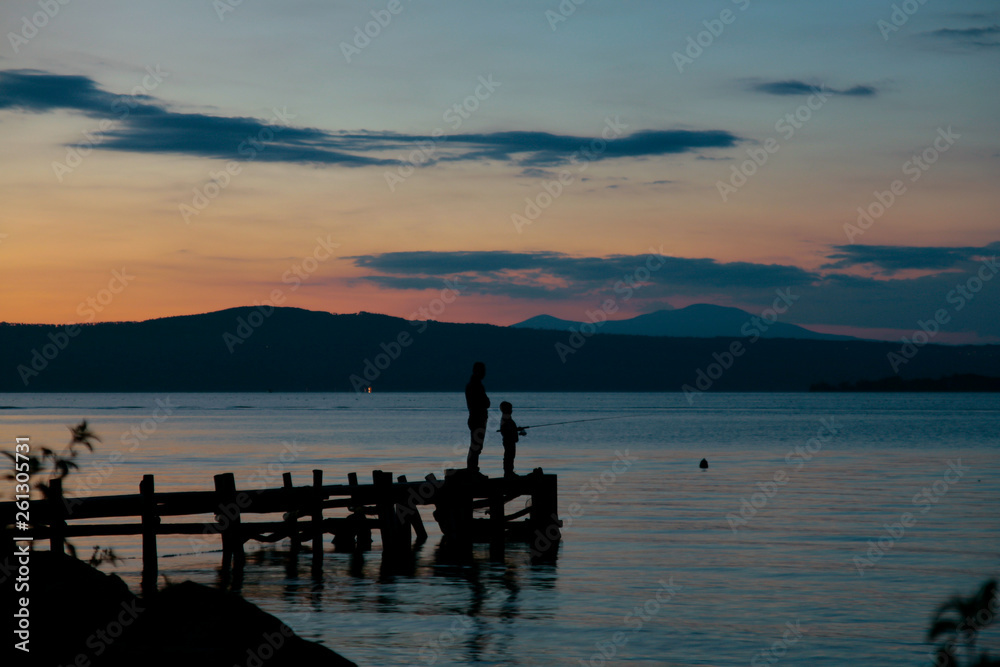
{"x": 492, "y": 161}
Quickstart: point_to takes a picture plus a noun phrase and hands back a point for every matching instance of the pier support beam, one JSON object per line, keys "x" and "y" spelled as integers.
{"x": 411, "y": 515}
{"x": 292, "y": 515}
{"x": 57, "y": 522}
{"x": 544, "y": 516}
{"x": 150, "y": 523}
{"x": 392, "y": 538}
{"x": 228, "y": 515}
{"x": 317, "y": 520}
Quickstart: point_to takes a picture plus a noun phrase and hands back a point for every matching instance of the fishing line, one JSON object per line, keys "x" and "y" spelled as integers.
{"x": 577, "y": 421}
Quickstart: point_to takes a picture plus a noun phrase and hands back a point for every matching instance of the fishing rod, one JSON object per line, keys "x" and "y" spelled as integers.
{"x": 573, "y": 421}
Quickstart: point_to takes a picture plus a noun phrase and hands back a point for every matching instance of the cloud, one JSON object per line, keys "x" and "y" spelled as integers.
{"x": 556, "y": 276}
{"x": 38, "y": 92}
{"x": 797, "y": 87}
{"x": 146, "y": 125}
{"x": 974, "y": 16}
{"x": 892, "y": 259}
{"x": 859, "y": 91}
{"x": 543, "y": 149}
{"x": 824, "y": 298}
{"x": 969, "y": 301}
{"x": 983, "y": 37}
{"x": 445, "y": 263}
{"x": 536, "y": 172}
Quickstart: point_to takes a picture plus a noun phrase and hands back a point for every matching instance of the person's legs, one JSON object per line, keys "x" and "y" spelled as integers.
{"x": 508, "y": 459}
{"x": 477, "y": 434}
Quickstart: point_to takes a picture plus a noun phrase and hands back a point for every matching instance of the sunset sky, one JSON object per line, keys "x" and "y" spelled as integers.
{"x": 364, "y": 172}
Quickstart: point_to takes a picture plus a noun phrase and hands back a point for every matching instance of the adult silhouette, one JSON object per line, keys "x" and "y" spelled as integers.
{"x": 479, "y": 404}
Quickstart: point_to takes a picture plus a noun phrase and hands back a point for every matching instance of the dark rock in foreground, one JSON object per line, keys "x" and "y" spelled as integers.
{"x": 85, "y": 618}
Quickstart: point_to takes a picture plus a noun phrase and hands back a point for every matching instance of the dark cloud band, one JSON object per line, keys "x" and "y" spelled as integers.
{"x": 557, "y": 273}
{"x": 149, "y": 126}
{"x": 984, "y": 37}
{"x": 890, "y": 259}
{"x": 796, "y": 87}
{"x": 826, "y": 298}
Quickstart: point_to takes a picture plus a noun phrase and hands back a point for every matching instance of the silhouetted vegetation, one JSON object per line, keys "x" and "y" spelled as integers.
{"x": 957, "y": 623}
{"x": 58, "y": 465}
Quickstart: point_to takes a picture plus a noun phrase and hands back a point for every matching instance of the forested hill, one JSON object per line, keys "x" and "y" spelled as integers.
{"x": 288, "y": 349}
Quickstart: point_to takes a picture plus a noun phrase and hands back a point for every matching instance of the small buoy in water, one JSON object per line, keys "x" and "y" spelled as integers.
{"x": 703, "y": 464}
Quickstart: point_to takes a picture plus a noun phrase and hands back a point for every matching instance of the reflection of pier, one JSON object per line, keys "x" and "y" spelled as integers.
{"x": 469, "y": 600}
{"x": 390, "y": 507}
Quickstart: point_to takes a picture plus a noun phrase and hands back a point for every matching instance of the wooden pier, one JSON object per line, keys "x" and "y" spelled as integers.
{"x": 349, "y": 512}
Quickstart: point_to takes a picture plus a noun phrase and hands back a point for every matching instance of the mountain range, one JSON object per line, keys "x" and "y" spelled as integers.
{"x": 700, "y": 320}
{"x": 290, "y": 349}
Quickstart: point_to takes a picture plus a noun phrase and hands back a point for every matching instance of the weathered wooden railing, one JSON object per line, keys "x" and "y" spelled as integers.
{"x": 390, "y": 507}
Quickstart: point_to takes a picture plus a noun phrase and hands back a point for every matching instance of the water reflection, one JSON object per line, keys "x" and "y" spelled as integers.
{"x": 493, "y": 581}
{"x": 464, "y": 603}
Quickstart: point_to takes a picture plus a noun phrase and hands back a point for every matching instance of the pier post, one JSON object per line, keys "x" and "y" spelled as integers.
{"x": 453, "y": 502}
{"x": 344, "y": 537}
{"x": 497, "y": 526}
{"x": 150, "y": 523}
{"x": 544, "y": 516}
{"x": 386, "y": 510}
{"x": 412, "y": 518}
{"x": 57, "y": 517}
{"x": 292, "y": 515}
{"x": 228, "y": 514}
{"x": 362, "y": 533}
{"x": 317, "y": 519}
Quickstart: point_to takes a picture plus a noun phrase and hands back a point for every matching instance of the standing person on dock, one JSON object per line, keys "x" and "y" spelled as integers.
{"x": 509, "y": 430}
{"x": 479, "y": 404}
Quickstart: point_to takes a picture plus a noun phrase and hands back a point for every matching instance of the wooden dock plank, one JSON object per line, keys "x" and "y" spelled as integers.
{"x": 391, "y": 506}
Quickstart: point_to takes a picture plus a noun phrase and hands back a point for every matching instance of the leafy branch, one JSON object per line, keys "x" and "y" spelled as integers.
{"x": 59, "y": 464}
{"x": 957, "y": 623}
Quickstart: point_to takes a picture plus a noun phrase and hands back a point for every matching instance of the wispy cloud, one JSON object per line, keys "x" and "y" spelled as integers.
{"x": 984, "y": 37}
{"x": 556, "y": 276}
{"x": 825, "y": 297}
{"x": 892, "y": 259}
{"x": 147, "y": 125}
{"x": 797, "y": 87}
{"x": 859, "y": 91}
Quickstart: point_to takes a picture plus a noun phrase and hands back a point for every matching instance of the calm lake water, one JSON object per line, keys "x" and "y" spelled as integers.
{"x": 658, "y": 566}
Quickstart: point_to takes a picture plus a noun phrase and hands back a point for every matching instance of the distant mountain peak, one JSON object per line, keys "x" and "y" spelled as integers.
{"x": 544, "y": 322}
{"x": 291, "y": 349}
{"x": 698, "y": 320}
